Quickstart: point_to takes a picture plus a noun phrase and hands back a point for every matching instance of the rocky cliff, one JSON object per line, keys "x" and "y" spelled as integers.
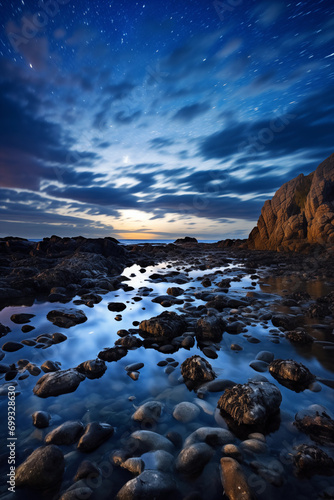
{"x": 300, "y": 214}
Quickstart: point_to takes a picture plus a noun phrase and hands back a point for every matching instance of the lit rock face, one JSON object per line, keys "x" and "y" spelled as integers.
{"x": 300, "y": 213}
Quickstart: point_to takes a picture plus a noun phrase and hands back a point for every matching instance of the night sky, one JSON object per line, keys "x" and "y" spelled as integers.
{"x": 158, "y": 119}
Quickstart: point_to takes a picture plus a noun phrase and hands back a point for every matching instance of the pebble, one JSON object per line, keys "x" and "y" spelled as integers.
{"x": 186, "y": 412}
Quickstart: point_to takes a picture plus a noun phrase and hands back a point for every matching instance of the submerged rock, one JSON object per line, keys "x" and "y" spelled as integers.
{"x": 210, "y": 328}
{"x": 252, "y": 403}
{"x": 316, "y": 423}
{"x": 87, "y": 470}
{"x": 150, "y": 484}
{"x": 144, "y": 441}
{"x": 66, "y": 318}
{"x": 197, "y": 369}
{"x": 148, "y": 412}
{"x": 59, "y": 382}
{"x": 186, "y": 412}
{"x": 234, "y": 480}
{"x": 192, "y": 459}
{"x": 42, "y": 470}
{"x": 167, "y": 324}
{"x": 291, "y": 374}
{"x": 213, "y": 436}
{"x": 310, "y": 460}
{"x": 93, "y": 368}
{"x": 95, "y": 434}
{"x": 41, "y": 419}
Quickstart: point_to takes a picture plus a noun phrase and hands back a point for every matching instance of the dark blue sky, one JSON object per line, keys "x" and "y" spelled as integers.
{"x": 158, "y": 119}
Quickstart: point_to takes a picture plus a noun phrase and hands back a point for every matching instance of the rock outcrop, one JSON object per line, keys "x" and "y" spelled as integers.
{"x": 300, "y": 214}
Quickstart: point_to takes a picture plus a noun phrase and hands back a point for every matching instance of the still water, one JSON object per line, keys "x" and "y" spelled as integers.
{"x": 107, "y": 399}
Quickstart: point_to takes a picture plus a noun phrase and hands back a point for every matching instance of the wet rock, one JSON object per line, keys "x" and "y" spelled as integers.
{"x": 147, "y": 441}
{"x": 77, "y": 491}
{"x": 188, "y": 342}
{"x": 235, "y": 327}
{"x": 134, "y": 465}
{"x": 284, "y": 321}
{"x": 148, "y": 485}
{"x": 159, "y": 460}
{"x": 21, "y": 318}
{"x": 291, "y": 374}
{"x": 166, "y": 300}
{"x": 210, "y": 352}
{"x": 50, "y": 366}
{"x": 210, "y": 328}
{"x": 316, "y": 422}
{"x": 66, "y": 318}
{"x": 218, "y": 385}
{"x": 206, "y": 282}
{"x": 236, "y": 347}
{"x": 168, "y": 324}
{"x": 87, "y": 470}
{"x": 299, "y": 337}
{"x": 58, "y": 337}
{"x": 133, "y": 375}
{"x": 116, "y": 306}
{"x": 265, "y": 356}
{"x": 11, "y": 346}
{"x": 186, "y": 412}
{"x": 254, "y": 446}
{"x": 41, "y": 419}
{"x": 270, "y": 473}
{"x": 33, "y": 369}
{"x": 213, "y": 436}
{"x": 148, "y": 412}
{"x": 27, "y": 328}
{"x": 234, "y": 480}
{"x": 259, "y": 366}
{"x": 197, "y": 369}
{"x": 59, "y": 382}
{"x": 93, "y": 368}
{"x": 231, "y": 450}
{"x": 310, "y": 460}
{"x": 134, "y": 366}
{"x": 65, "y": 434}
{"x": 43, "y": 469}
{"x": 96, "y": 433}
{"x": 175, "y": 438}
{"x": 112, "y": 354}
{"x": 252, "y": 403}
{"x": 129, "y": 341}
{"x": 192, "y": 459}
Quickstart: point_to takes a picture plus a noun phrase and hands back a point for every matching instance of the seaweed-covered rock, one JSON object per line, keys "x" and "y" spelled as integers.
{"x": 210, "y": 328}
{"x": 291, "y": 374}
{"x": 316, "y": 422}
{"x": 310, "y": 460}
{"x": 168, "y": 324}
{"x": 252, "y": 403}
{"x": 197, "y": 369}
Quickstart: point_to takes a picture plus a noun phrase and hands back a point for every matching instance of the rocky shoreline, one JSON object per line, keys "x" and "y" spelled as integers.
{"x": 221, "y": 427}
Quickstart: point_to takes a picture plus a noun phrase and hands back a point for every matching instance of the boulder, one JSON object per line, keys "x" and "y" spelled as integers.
{"x": 310, "y": 460}
{"x": 193, "y": 459}
{"x": 65, "y": 434}
{"x": 167, "y": 324}
{"x": 95, "y": 434}
{"x": 234, "y": 480}
{"x": 59, "y": 382}
{"x": 66, "y": 318}
{"x": 150, "y": 484}
{"x": 210, "y": 328}
{"x": 197, "y": 369}
{"x": 148, "y": 412}
{"x": 291, "y": 374}
{"x": 316, "y": 422}
{"x": 252, "y": 403}
{"x": 42, "y": 470}
{"x": 93, "y": 368}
